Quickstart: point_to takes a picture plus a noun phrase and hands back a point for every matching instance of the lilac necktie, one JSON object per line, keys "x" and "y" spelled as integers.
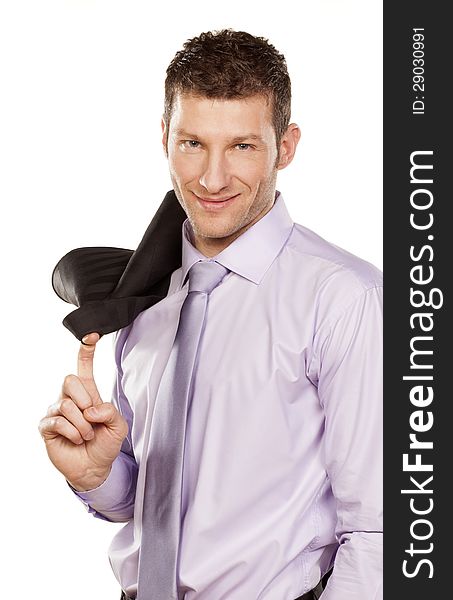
{"x": 161, "y": 520}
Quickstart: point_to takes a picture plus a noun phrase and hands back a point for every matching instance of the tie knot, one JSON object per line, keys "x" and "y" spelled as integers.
{"x": 205, "y": 275}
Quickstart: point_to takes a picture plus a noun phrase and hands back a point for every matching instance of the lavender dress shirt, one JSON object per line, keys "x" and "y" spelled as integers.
{"x": 283, "y": 462}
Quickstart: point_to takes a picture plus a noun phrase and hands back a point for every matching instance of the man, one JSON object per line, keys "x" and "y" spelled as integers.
{"x": 281, "y": 475}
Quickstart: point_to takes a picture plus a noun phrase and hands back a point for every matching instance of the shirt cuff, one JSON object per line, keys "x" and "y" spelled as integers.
{"x": 112, "y": 494}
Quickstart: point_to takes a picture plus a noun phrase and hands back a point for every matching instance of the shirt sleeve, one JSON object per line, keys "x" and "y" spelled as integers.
{"x": 114, "y": 499}
{"x": 350, "y": 390}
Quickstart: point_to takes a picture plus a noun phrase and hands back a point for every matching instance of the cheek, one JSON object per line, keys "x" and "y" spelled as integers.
{"x": 184, "y": 168}
{"x": 252, "y": 169}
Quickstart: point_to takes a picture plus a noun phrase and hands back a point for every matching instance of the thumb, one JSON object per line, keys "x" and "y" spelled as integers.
{"x": 107, "y": 414}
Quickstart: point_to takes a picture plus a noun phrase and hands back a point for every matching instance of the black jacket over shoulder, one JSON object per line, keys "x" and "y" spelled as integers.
{"x": 111, "y": 286}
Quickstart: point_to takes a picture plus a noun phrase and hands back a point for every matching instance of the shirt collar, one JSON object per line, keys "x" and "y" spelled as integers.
{"x": 253, "y": 252}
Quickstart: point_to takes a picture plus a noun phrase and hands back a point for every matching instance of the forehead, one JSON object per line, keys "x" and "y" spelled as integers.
{"x": 228, "y": 117}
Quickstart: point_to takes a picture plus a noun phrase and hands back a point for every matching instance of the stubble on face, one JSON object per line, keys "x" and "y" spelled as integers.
{"x": 215, "y": 234}
{"x": 251, "y": 177}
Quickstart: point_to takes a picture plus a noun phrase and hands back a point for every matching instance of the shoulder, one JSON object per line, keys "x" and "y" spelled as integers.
{"x": 329, "y": 258}
{"x": 333, "y": 277}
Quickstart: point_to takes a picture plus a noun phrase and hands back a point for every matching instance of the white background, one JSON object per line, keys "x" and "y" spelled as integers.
{"x": 81, "y": 165}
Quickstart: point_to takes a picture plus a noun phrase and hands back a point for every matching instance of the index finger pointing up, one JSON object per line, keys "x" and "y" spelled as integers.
{"x": 85, "y": 366}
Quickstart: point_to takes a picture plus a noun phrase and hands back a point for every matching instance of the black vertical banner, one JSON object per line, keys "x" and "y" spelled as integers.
{"x": 418, "y": 162}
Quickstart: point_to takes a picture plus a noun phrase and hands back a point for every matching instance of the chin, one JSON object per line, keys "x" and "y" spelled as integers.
{"x": 214, "y": 233}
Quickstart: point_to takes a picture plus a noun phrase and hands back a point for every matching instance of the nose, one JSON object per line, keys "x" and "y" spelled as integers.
{"x": 215, "y": 176}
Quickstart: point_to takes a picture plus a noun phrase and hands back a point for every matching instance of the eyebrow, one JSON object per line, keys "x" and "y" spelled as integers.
{"x": 235, "y": 140}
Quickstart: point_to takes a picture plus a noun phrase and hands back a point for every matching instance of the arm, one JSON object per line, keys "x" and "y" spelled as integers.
{"x": 350, "y": 390}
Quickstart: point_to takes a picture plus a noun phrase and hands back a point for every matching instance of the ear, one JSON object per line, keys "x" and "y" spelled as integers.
{"x": 164, "y": 137}
{"x": 288, "y": 145}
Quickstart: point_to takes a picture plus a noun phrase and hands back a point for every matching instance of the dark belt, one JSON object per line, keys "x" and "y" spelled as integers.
{"x": 313, "y": 594}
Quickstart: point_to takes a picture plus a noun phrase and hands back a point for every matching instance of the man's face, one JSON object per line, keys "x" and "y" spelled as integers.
{"x": 222, "y": 157}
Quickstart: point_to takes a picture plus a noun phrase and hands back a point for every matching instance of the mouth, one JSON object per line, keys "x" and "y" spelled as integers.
{"x": 214, "y": 203}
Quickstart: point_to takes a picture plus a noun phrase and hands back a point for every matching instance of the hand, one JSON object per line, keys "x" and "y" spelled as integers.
{"x": 83, "y": 434}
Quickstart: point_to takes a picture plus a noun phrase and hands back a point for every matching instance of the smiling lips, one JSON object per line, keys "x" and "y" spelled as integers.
{"x": 215, "y": 203}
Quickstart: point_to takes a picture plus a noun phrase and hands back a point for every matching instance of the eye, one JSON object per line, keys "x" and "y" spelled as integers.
{"x": 243, "y": 146}
{"x": 190, "y": 144}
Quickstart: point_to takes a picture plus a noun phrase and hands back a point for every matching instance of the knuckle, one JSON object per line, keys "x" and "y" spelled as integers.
{"x": 42, "y": 425}
{"x": 69, "y": 380}
{"x": 58, "y": 423}
{"x": 109, "y": 409}
{"x": 51, "y": 409}
{"x": 66, "y": 404}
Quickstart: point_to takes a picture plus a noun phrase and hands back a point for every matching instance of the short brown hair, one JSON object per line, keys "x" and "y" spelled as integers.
{"x": 231, "y": 64}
